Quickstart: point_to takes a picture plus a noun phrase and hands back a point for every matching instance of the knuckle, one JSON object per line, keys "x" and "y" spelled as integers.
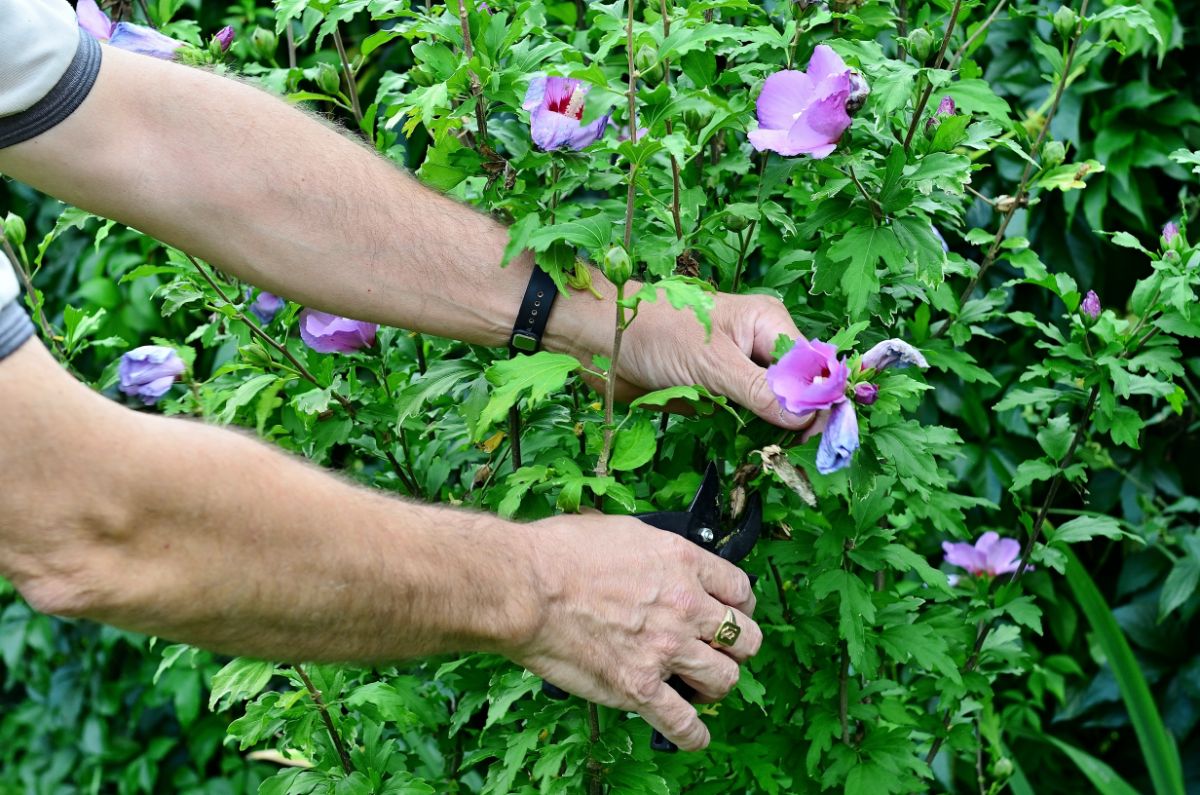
{"x": 754, "y": 639}
{"x": 730, "y": 674}
{"x": 641, "y": 687}
{"x": 685, "y": 602}
{"x": 742, "y": 591}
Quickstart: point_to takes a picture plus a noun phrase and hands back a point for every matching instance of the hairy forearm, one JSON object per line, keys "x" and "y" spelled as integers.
{"x": 267, "y": 193}
{"x": 202, "y": 535}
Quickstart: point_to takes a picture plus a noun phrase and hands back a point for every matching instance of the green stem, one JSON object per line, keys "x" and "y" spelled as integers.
{"x": 937, "y": 64}
{"x": 327, "y": 719}
{"x": 351, "y": 80}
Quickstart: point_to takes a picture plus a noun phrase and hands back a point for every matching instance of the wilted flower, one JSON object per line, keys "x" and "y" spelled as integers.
{"x": 555, "y": 106}
{"x": 809, "y": 377}
{"x": 839, "y": 439}
{"x": 224, "y": 37}
{"x": 266, "y": 306}
{"x": 990, "y": 556}
{"x": 327, "y": 333}
{"x": 865, "y": 393}
{"x": 805, "y": 112}
{"x": 125, "y": 35}
{"x": 1170, "y": 231}
{"x": 148, "y": 372}
{"x": 893, "y": 353}
{"x": 945, "y": 108}
{"x": 1091, "y": 305}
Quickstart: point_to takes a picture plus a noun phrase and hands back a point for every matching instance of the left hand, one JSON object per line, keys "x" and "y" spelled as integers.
{"x": 665, "y": 347}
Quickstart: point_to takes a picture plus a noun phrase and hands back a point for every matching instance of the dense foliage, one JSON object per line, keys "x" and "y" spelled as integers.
{"x": 1047, "y": 415}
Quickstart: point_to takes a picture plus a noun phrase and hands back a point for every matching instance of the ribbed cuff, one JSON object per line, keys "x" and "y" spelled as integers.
{"x": 15, "y": 328}
{"x": 67, "y": 95}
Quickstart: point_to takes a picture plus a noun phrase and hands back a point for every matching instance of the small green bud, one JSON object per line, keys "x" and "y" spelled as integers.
{"x": 697, "y": 119}
{"x": 920, "y": 41}
{"x": 328, "y": 78}
{"x": 736, "y": 221}
{"x": 645, "y": 60}
{"x": 14, "y": 230}
{"x": 617, "y": 265}
{"x": 1003, "y": 767}
{"x": 264, "y": 42}
{"x": 1053, "y": 153}
{"x": 1065, "y": 21}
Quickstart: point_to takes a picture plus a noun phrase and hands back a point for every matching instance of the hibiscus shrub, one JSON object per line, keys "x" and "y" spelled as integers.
{"x": 992, "y": 347}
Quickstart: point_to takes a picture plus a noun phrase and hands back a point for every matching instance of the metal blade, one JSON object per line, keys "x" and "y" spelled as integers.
{"x": 738, "y": 544}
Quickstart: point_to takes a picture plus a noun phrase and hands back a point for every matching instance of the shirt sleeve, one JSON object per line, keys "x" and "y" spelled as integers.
{"x": 48, "y": 66}
{"x": 15, "y": 326}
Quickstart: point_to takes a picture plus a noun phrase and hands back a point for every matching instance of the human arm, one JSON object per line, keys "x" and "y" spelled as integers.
{"x": 204, "y": 535}
{"x": 271, "y": 195}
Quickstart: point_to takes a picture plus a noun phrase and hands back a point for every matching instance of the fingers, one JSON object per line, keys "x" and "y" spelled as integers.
{"x": 749, "y": 635}
{"x": 666, "y": 711}
{"x": 771, "y": 319}
{"x": 724, "y": 581}
{"x": 710, "y": 673}
{"x": 746, "y": 383}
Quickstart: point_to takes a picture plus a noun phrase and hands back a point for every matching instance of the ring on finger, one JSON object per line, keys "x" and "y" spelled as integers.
{"x": 728, "y": 632}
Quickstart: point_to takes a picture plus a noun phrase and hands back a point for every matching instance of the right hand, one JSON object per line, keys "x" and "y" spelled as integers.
{"x": 624, "y": 606}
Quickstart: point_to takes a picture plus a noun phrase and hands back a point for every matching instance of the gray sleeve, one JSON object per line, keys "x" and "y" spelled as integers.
{"x": 15, "y": 328}
{"x": 66, "y": 95}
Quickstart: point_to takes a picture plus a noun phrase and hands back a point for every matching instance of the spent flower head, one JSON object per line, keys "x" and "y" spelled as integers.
{"x": 149, "y": 371}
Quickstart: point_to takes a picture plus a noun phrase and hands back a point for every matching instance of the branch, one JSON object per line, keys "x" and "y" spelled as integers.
{"x": 937, "y": 64}
{"x": 675, "y": 184}
{"x": 40, "y": 310}
{"x": 958, "y": 55}
{"x": 476, "y": 86}
{"x": 324, "y": 710}
{"x": 351, "y": 81}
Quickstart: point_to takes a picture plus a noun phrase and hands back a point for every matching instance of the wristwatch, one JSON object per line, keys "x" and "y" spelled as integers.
{"x": 533, "y": 314}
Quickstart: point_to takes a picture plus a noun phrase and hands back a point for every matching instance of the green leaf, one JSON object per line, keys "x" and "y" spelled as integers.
{"x": 244, "y": 394}
{"x": 1158, "y": 751}
{"x": 1102, "y": 777}
{"x": 1031, "y": 471}
{"x": 976, "y": 96}
{"x": 1069, "y": 176}
{"x": 682, "y": 292}
{"x": 634, "y": 446}
{"x": 1181, "y": 582}
{"x": 593, "y": 233}
{"x": 1085, "y": 528}
{"x": 863, "y": 248}
{"x": 1055, "y": 438}
{"x": 441, "y": 377}
{"x": 240, "y": 680}
{"x": 539, "y": 374}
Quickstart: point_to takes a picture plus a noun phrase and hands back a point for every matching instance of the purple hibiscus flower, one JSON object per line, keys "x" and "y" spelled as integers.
{"x": 266, "y": 306}
{"x": 555, "y": 106}
{"x": 805, "y": 113}
{"x": 125, "y": 35}
{"x": 148, "y": 372}
{"x": 990, "y": 556}
{"x": 809, "y": 377}
{"x": 839, "y": 439}
{"x": 1091, "y": 305}
{"x": 893, "y": 353}
{"x": 327, "y": 333}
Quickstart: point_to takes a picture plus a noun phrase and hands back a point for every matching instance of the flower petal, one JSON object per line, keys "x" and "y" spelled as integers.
{"x": 143, "y": 40}
{"x": 1004, "y": 556}
{"x": 819, "y": 128}
{"x": 784, "y": 94}
{"x": 93, "y": 20}
{"x": 825, "y": 62}
{"x": 588, "y": 134}
{"x": 893, "y": 353}
{"x": 963, "y": 555}
{"x": 840, "y": 439}
{"x": 535, "y": 93}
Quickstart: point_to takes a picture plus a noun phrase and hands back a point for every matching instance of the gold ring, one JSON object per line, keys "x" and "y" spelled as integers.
{"x": 728, "y": 632}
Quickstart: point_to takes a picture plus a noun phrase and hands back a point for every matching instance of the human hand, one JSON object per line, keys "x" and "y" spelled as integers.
{"x": 625, "y": 606}
{"x": 665, "y": 347}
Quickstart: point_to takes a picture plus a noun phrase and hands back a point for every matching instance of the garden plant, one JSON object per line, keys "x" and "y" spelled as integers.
{"x": 978, "y": 567}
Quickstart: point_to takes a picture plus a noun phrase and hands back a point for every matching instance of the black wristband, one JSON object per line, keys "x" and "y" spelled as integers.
{"x": 535, "y": 311}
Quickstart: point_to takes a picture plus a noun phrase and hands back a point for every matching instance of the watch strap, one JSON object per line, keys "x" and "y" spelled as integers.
{"x": 534, "y": 313}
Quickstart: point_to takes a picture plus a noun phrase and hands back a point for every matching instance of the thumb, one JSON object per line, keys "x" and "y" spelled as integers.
{"x": 746, "y": 383}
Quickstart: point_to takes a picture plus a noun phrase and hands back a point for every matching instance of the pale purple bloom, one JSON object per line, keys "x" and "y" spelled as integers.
{"x": 1170, "y": 231}
{"x": 224, "y": 37}
{"x": 327, "y": 333}
{"x": 893, "y": 353}
{"x": 1091, "y": 305}
{"x": 266, "y": 306}
{"x": 990, "y": 556}
{"x": 804, "y": 112}
{"x": 865, "y": 394}
{"x": 945, "y": 108}
{"x": 125, "y": 35}
{"x": 839, "y": 440}
{"x": 938, "y": 234}
{"x": 623, "y": 131}
{"x": 809, "y": 377}
{"x": 555, "y": 106}
{"x": 148, "y": 372}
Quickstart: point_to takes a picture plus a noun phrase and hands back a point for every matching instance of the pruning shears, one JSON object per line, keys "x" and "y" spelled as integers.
{"x": 701, "y": 524}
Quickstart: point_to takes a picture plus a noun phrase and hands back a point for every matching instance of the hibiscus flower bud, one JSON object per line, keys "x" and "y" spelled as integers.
{"x": 649, "y": 68}
{"x": 264, "y": 42}
{"x": 865, "y": 393}
{"x": 1090, "y": 305}
{"x": 14, "y": 229}
{"x": 920, "y": 42}
{"x": 148, "y": 372}
{"x": 617, "y": 265}
{"x": 859, "y": 91}
{"x": 1053, "y": 153}
{"x": 326, "y": 333}
{"x": 945, "y": 108}
{"x": 735, "y": 221}
{"x": 809, "y": 377}
{"x": 328, "y": 78}
{"x": 224, "y": 38}
{"x": 839, "y": 440}
{"x": 1065, "y": 20}
{"x": 893, "y": 353}
{"x": 1172, "y": 239}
